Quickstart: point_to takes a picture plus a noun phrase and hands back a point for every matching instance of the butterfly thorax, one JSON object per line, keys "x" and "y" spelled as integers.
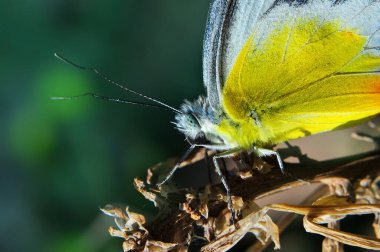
{"x": 244, "y": 134}
{"x": 199, "y": 122}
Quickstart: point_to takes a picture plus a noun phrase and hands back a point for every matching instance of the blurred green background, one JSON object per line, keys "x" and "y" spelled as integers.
{"x": 62, "y": 160}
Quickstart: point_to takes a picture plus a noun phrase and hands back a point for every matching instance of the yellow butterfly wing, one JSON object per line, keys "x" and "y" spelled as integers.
{"x": 304, "y": 75}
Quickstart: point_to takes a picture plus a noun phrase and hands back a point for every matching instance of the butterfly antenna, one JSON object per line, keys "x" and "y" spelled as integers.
{"x": 109, "y": 99}
{"x": 96, "y": 71}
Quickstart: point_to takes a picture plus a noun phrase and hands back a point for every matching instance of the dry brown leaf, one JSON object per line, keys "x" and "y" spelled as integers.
{"x": 258, "y": 223}
{"x": 376, "y": 225}
{"x": 266, "y": 229}
{"x": 149, "y": 195}
{"x": 113, "y": 211}
{"x": 329, "y": 245}
{"x": 338, "y": 186}
{"x": 332, "y": 200}
{"x": 158, "y": 246}
{"x": 341, "y": 236}
{"x": 138, "y": 218}
{"x": 222, "y": 222}
{"x": 316, "y": 214}
{"x": 117, "y": 233}
{"x": 237, "y": 203}
{"x": 129, "y": 245}
{"x": 203, "y": 210}
{"x": 149, "y": 176}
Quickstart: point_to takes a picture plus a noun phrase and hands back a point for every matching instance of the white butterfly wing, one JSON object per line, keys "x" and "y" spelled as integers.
{"x": 229, "y": 24}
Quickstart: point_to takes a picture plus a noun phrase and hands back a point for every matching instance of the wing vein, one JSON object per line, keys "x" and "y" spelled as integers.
{"x": 333, "y": 96}
{"x": 319, "y": 80}
{"x": 288, "y": 40}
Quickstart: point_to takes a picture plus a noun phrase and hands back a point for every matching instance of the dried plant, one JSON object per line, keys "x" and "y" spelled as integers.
{"x": 199, "y": 220}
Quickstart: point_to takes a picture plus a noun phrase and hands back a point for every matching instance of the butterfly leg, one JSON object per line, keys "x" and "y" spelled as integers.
{"x": 265, "y": 153}
{"x": 187, "y": 153}
{"x": 208, "y": 167}
{"x": 215, "y": 158}
{"x": 175, "y": 168}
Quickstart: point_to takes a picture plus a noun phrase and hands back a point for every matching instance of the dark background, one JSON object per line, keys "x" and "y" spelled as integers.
{"x": 62, "y": 160}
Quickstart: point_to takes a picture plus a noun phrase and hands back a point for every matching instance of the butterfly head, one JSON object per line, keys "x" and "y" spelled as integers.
{"x": 198, "y": 121}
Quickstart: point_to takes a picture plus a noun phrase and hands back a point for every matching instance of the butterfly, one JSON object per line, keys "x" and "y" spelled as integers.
{"x": 280, "y": 70}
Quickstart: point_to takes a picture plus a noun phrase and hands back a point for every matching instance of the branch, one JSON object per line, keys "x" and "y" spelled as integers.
{"x": 199, "y": 219}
